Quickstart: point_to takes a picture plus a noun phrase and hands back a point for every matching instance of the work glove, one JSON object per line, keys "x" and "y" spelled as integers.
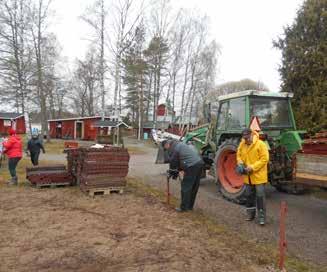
{"x": 241, "y": 169}
{"x": 248, "y": 169}
{"x": 173, "y": 173}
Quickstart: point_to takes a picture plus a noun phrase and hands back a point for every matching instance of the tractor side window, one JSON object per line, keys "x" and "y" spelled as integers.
{"x": 236, "y": 113}
{"x": 221, "y": 123}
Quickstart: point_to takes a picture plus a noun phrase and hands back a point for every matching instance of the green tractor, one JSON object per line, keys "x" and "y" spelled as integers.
{"x": 218, "y": 141}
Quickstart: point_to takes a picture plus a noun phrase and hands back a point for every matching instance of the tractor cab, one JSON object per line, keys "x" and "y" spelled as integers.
{"x": 236, "y": 111}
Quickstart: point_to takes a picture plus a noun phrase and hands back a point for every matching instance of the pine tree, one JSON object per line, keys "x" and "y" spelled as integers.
{"x": 135, "y": 73}
{"x": 304, "y": 64}
{"x": 157, "y": 57}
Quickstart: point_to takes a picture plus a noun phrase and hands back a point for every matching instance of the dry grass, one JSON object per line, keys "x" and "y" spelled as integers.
{"x": 57, "y": 147}
{"x": 54, "y": 147}
{"x": 319, "y": 193}
{"x": 217, "y": 235}
{"x": 263, "y": 254}
{"x": 218, "y": 239}
{"x": 21, "y": 168}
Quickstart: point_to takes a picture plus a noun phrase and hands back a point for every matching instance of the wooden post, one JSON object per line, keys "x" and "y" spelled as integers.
{"x": 282, "y": 235}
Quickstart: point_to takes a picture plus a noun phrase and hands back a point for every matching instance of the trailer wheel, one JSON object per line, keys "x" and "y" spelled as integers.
{"x": 231, "y": 185}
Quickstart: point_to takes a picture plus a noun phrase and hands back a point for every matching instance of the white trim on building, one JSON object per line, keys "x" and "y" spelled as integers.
{"x": 78, "y": 118}
{"x": 254, "y": 92}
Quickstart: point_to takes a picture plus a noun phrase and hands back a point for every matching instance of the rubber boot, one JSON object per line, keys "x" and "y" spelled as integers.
{"x": 261, "y": 211}
{"x": 250, "y": 214}
{"x": 262, "y": 217}
{"x": 10, "y": 182}
{"x": 14, "y": 181}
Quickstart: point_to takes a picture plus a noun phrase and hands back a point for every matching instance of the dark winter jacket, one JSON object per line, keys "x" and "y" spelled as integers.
{"x": 13, "y": 148}
{"x": 183, "y": 156}
{"x": 34, "y": 146}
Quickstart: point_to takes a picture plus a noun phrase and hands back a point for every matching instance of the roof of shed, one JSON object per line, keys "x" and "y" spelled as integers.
{"x": 10, "y": 115}
{"x": 109, "y": 123}
{"x": 77, "y": 118}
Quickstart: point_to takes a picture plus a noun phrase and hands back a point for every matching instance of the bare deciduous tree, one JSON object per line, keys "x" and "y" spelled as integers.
{"x": 127, "y": 14}
{"x": 95, "y": 17}
{"x": 87, "y": 84}
{"x": 15, "y": 52}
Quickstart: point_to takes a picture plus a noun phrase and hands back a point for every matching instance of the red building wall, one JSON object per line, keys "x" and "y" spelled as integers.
{"x": 161, "y": 110}
{"x": 90, "y": 132}
{"x": 52, "y": 127}
{"x": 20, "y": 126}
{"x": 67, "y": 128}
{"x": 2, "y": 127}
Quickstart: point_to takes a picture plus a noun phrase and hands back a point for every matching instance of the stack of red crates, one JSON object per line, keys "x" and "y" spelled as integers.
{"x": 102, "y": 167}
{"x": 49, "y": 175}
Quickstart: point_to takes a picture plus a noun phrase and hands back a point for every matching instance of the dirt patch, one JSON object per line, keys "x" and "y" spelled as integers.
{"x": 64, "y": 230}
{"x": 307, "y": 214}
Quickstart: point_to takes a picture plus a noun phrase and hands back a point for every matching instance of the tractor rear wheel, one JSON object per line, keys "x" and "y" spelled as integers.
{"x": 230, "y": 184}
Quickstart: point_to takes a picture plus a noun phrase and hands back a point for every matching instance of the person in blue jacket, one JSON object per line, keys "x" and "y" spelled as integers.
{"x": 34, "y": 146}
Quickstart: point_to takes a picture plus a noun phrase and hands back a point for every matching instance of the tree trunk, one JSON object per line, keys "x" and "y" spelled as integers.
{"x": 154, "y": 96}
{"x": 116, "y": 86}
{"x": 190, "y": 93}
{"x": 148, "y": 98}
{"x": 183, "y": 95}
{"x": 102, "y": 63}
{"x": 40, "y": 87}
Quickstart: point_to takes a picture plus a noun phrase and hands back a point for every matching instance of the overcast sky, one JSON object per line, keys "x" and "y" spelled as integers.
{"x": 243, "y": 29}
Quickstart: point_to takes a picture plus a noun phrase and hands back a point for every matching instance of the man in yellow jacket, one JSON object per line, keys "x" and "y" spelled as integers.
{"x": 252, "y": 163}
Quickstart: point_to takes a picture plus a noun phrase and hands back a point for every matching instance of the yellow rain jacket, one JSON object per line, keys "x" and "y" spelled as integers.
{"x": 255, "y": 156}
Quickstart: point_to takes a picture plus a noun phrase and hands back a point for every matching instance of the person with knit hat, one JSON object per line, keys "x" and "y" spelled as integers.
{"x": 13, "y": 148}
{"x": 34, "y": 146}
{"x": 252, "y": 163}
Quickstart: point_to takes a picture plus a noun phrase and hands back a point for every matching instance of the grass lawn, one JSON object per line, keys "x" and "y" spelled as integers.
{"x": 21, "y": 169}
{"x": 54, "y": 147}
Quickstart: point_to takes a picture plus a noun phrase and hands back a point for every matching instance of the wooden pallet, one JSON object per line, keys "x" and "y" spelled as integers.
{"x": 104, "y": 191}
{"x": 52, "y": 185}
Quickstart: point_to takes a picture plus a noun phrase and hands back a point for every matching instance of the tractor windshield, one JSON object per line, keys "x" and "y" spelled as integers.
{"x": 272, "y": 112}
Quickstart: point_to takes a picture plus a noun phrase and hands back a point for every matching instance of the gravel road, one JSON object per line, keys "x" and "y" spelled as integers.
{"x": 306, "y": 218}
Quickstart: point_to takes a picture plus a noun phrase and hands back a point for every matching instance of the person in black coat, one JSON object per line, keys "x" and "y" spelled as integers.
{"x": 185, "y": 157}
{"x": 34, "y": 146}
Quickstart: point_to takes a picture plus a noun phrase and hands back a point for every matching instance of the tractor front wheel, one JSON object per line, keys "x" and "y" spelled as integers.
{"x": 231, "y": 184}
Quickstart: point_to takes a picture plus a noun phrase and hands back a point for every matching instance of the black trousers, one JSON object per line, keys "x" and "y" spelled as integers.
{"x": 35, "y": 158}
{"x": 12, "y": 164}
{"x": 190, "y": 186}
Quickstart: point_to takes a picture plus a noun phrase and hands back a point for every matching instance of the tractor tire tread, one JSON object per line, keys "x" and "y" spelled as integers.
{"x": 239, "y": 198}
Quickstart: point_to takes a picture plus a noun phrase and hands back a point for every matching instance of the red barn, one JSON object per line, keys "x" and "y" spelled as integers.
{"x": 12, "y": 120}
{"x": 164, "y": 114}
{"x": 82, "y": 128}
